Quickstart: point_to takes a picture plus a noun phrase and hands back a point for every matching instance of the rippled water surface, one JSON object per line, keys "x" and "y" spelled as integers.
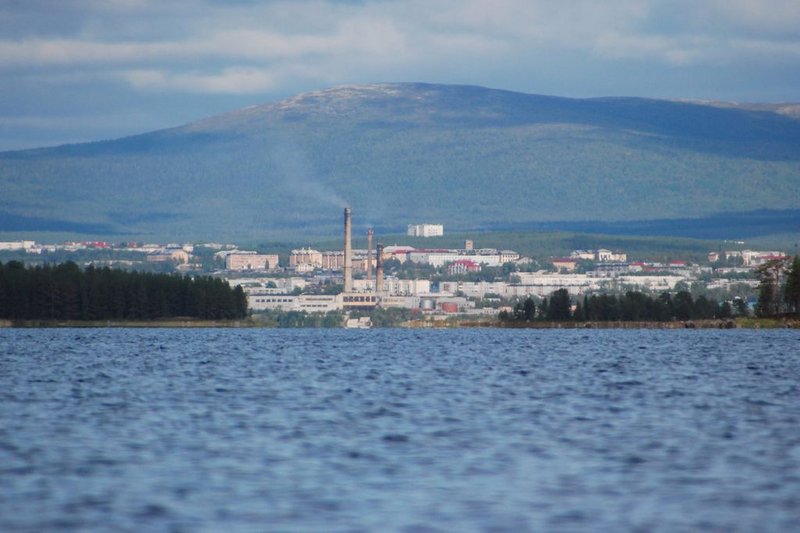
{"x": 399, "y": 430}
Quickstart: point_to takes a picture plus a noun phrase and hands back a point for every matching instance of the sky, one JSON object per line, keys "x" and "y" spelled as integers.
{"x": 83, "y": 70}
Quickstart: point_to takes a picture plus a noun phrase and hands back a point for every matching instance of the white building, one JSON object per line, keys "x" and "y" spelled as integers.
{"x": 607, "y": 256}
{"x": 584, "y": 255}
{"x": 16, "y": 245}
{"x": 425, "y": 230}
{"x": 486, "y": 257}
{"x": 270, "y": 285}
{"x": 602, "y": 255}
{"x": 406, "y": 287}
{"x": 750, "y": 258}
{"x": 435, "y": 258}
{"x": 310, "y": 303}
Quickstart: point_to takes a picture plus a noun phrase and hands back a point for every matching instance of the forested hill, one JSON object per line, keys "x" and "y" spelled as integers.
{"x": 468, "y": 157}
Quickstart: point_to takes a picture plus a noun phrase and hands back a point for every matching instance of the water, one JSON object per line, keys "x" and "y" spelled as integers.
{"x": 399, "y": 430}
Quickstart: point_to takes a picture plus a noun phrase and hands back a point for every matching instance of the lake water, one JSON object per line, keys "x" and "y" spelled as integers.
{"x": 399, "y": 430}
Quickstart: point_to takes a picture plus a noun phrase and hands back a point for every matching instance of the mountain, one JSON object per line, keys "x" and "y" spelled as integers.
{"x": 467, "y": 157}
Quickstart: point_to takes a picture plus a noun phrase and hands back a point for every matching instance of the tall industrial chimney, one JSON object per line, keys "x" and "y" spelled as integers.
{"x": 348, "y": 253}
{"x": 379, "y": 269}
{"x": 369, "y": 253}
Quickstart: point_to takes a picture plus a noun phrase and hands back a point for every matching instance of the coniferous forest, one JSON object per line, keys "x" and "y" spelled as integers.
{"x": 779, "y": 296}
{"x": 630, "y": 307}
{"x": 65, "y": 292}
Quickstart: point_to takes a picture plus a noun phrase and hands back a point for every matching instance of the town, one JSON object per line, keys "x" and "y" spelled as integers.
{"x": 433, "y": 282}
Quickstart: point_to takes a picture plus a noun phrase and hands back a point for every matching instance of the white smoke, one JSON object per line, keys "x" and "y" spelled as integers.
{"x": 293, "y": 172}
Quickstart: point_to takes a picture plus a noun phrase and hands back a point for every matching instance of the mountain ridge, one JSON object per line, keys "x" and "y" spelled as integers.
{"x": 464, "y": 155}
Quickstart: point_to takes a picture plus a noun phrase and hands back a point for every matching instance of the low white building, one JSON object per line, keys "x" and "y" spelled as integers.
{"x": 310, "y": 303}
{"x": 607, "y": 256}
{"x": 11, "y": 246}
{"x": 486, "y": 257}
{"x": 602, "y": 255}
{"x": 279, "y": 285}
{"x": 435, "y": 258}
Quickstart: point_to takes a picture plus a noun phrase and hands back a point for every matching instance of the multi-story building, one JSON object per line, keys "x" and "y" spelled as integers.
{"x": 425, "y": 230}
{"x": 305, "y": 256}
{"x": 333, "y": 260}
{"x": 251, "y": 261}
{"x": 177, "y": 255}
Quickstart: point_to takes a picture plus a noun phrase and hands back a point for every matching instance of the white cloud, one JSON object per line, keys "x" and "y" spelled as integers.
{"x": 235, "y": 80}
{"x": 253, "y": 46}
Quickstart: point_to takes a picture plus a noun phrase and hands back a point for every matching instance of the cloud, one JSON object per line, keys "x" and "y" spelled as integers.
{"x": 191, "y": 58}
{"x": 204, "y": 46}
{"x": 234, "y": 80}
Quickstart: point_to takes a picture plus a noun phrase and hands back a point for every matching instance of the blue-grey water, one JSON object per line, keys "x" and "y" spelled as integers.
{"x": 399, "y": 430}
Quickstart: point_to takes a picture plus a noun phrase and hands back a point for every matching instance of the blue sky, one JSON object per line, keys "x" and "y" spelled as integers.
{"x": 80, "y": 70}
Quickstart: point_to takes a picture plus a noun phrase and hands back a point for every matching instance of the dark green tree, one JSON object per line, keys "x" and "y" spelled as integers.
{"x": 791, "y": 291}
{"x": 684, "y": 305}
{"x": 529, "y": 309}
{"x": 559, "y": 307}
{"x": 769, "y": 277}
{"x": 740, "y": 307}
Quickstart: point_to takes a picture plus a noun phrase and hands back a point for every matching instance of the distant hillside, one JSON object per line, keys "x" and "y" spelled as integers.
{"x": 468, "y": 157}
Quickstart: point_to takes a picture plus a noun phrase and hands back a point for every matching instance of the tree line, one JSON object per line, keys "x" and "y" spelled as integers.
{"x": 65, "y": 292}
{"x": 630, "y": 307}
{"x": 779, "y": 295}
{"x": 779, "y": 288}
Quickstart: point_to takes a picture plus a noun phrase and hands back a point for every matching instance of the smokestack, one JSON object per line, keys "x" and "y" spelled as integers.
{"x": 379, "y": 269}
{"x": 369, "y": 253}
{"x": 348, "y": 253}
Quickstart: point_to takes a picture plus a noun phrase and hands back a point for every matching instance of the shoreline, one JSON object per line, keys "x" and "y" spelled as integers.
{"x": 166, "y": 323}
{"x": 451, "y": 323}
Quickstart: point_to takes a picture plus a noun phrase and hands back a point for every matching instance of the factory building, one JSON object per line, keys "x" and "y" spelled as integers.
{"x": 310, "y": 303}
